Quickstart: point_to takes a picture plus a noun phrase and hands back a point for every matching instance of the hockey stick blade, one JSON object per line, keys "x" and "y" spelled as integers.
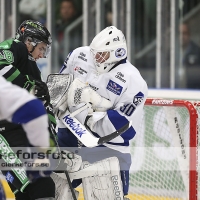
{"x": 85, "y": 136}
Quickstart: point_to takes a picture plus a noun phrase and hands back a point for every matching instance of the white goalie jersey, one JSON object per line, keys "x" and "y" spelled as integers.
{"x": 18, "y": 106}
{"x": 123, "y": 86}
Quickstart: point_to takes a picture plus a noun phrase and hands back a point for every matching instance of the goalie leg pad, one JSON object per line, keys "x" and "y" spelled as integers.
{"x": 106, "y": 181}
{"x": 63, "y": 190}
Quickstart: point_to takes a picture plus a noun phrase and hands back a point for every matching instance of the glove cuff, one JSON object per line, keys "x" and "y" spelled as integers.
{"x": 29, "y": 83}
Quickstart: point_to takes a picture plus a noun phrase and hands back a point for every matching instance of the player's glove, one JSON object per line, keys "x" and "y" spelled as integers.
{"x": 42, "y": 164}
{"x": 29, "y": 83}
{"x": 41, "y": 91}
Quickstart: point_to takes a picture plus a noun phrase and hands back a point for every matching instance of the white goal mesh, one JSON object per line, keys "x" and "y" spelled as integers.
{"x": 165, "y": 152}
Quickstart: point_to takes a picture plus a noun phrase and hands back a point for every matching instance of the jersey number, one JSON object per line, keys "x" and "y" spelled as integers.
{"x": 8, "y": 55}
{"x": 128, "y": 109}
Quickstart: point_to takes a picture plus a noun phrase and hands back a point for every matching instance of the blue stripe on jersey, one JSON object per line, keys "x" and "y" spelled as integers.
{"x": 29, "y": 111}
{"x": 65, "y": 63}
{"x": 119, "y": 121}
{"x": 62, "y": 69}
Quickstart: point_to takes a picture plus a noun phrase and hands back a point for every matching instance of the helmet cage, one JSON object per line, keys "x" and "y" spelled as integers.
{"x": 102, "y": 60}
{"x": 114, "y": 57}
{"x": 101, "y": 57}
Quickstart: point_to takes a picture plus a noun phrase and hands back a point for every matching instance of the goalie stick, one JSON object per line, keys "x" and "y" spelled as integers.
{"x": 53, "y": 133}
{"x": 52, "y": 130}
{"x": 84, "y": 135}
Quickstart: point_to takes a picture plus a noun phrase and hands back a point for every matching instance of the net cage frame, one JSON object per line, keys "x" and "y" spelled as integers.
{"x": 193, "y": 138}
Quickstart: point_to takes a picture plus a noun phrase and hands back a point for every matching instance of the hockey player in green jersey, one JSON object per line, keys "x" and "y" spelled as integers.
{"x": 18, "y": 65}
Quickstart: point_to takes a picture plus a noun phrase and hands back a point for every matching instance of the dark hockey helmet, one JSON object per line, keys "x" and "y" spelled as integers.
{"x": 36, "y": 32}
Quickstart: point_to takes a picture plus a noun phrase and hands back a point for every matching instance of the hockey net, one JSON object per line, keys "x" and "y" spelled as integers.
{"x": 166, "y": 152}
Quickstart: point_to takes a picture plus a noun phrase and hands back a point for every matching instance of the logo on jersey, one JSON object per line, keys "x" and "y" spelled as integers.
{"x": 82, "y": 56}
{"x": 80, "y": 70}
{"x": 93, "y": 87}
{"x": 120, "y": 77}
{"x": 119, "y": 53}
{"x": 114, "y": 87}
{"x": 9, "y": 177}
{"x": 116, "y": 39}
{"x": 7, "y": 55}
{"x": 138, "y": 98}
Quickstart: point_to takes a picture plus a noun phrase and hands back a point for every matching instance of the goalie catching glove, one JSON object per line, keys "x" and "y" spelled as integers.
{"x": 80, "y": 92}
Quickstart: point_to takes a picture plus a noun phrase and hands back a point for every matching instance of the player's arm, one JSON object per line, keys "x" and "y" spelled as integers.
{"x": 14, "y": 54}
{"x": 129, "y": 108}
{"x": 18, "y": 106}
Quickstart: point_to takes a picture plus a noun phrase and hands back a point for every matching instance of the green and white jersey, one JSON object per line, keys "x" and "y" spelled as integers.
{"x": 16, "y": 62}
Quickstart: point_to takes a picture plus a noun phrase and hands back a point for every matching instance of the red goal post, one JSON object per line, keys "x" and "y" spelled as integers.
{"x": 168, "y": 167}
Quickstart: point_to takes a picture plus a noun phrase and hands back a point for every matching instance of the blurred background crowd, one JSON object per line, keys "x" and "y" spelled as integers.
{"x": 163, "y": 36}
